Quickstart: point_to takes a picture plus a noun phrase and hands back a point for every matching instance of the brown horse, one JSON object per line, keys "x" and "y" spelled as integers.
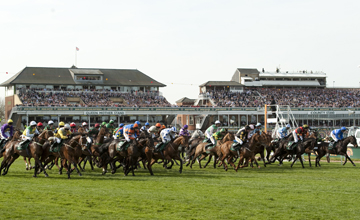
{"x": 340, "y": 149}
{"x": 215, "y": 151}
{"x": 70, "y": 151}
{"x": 171, "y": 152}
{"x": 35, "y": 151}
{"x": 247, "y": 152}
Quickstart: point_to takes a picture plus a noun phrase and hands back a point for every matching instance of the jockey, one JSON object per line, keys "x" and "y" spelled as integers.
{"x": 29, "y": 133}
{"x": 219, "y": 135}
{"x": 184, "y": 131}
{"x": 73, "y": 127}
{"x": 242, "y": 135}
{"x": 130, "y": 132}
{"x": 61, "y": 125}
{"x": 121, "y": 125}
{"x": 167, "y": 135}
{"x": 154, "y": 130}
{"x": 257, "y": 128}
{"x": 7, "y": 130}
{"x": 49, "y": 126}
{"x": 119, "y": 133}
{"x": 85, "y": 127}
{"x": 211, "y": 130}
{"x": 300, "y": 132}
{"x": 110, "y": 126}
{"x": 103, "y": 123}
{"x": 63, "y": 134}
{"x": 281, "y": 133}
{"x": 337, "y": 134}
{"x": 252, "y": 127}
{"x": 145, "y": 127}
{"x": 39, "y": 126}
{"x": 93, "y": 132}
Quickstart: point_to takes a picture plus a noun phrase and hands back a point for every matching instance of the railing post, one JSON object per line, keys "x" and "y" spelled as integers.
{"x": 265, "y": 119}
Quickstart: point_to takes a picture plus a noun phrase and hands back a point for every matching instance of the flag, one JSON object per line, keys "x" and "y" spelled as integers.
{"x": 6, "y": 72}
{"x": 77, "y": 49}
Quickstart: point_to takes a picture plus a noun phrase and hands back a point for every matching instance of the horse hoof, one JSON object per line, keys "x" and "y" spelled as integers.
{"x": 46, "y": 175}
{"x": 34, "y": 176}
{"x": 60, "y": 172}
{"x": 259, "y": 167}
{"x": 80, "y": 174}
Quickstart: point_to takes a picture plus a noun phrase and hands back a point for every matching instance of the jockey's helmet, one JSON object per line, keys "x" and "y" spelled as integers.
{"x": 50, "y": 122}
{"x": 33, "y": 123}
{"x": 67, "y": 126}
{"x": 343, "y": 128}
{"x": 158, "y": 125}
{"x": 39, "y": 124}
{"x": 97, "y": 125}
{"x": 173, "y": 129}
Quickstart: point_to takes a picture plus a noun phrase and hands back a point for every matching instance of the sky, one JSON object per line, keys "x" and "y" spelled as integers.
{"x": 183, "y": 43}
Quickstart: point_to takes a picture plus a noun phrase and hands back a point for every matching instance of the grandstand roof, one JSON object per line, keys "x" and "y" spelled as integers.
{"x": 63, "y": 76}
{"x": 185, "y": 100}
{"x": 221, "y": 83}
{"x": 247, "y": 70}
{"x": 307, "y": 75}
{"x": 282, "y": 83}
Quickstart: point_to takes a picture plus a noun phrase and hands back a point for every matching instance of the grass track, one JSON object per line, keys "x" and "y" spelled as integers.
{"x": 274, "y": 192}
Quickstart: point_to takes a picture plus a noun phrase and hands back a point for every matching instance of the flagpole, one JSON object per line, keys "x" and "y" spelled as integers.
{"x": 75, "y": 57}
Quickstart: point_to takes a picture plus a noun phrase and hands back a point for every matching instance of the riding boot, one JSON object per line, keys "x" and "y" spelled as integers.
{"x": 52, "y": 146}
{"x": 162, "y": 155}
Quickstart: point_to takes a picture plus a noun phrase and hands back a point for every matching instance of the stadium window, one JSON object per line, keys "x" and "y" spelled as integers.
{"x": 191, "y": 120}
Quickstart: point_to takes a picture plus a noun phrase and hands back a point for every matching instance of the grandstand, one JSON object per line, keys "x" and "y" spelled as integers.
{"x": 304, "y": 91}
{"x": 88, "y": 89}
{"x": 96, "y": 95}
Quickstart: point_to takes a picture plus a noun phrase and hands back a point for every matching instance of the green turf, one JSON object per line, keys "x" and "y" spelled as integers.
{"x": 329, "y": 192}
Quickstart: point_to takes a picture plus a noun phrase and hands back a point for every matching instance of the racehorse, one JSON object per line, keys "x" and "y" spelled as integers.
{"x": 247, "y": 152}
{"x": 70, "y": 151}
{"x": 171, "y": 152}
{"x": 299, "y": 150}
{"x": 35, "y": 151}
{"x": 340, "y": 149}
{"x": 216, "y": 151}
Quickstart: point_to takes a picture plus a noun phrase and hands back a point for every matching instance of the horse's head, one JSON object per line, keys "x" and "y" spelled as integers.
{"x": 353, "y": 140}
{"x": 182, "y": 140}
{"x": 78, "y": 140}
{"x": 229, "y": 137}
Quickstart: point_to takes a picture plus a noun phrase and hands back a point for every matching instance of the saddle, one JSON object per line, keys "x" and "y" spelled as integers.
{"x": 235, "y": 146}
{"x": 122, "y": 146}
{"x": 23, "y": 146}
{"x": 332, "y": 145}
{"x": 291, "y": 145}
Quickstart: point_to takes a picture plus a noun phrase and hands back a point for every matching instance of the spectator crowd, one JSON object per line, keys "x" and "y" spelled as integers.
{"x": 294, "y": 97}
{"x": 91, "y": 99}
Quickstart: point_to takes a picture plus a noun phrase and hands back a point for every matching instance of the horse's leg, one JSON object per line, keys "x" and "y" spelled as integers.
{"x": 26, "y": 164}
{"x": 82, "y": 159}
{"x": 262, "y": 157}
{"x": 294, "y": 161}
{"x": 30, "y": 167}
{"x": 309, "y": 159}
{"x": 181, "y": 164}
{"x": 347, "y": 157}
{"x": 223, "y": 162}
{"x": 69, "y": 168}
{"x": 76, "y": 168}
{"x": 215, "y": 160}
{"x": 210, "y": 156}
